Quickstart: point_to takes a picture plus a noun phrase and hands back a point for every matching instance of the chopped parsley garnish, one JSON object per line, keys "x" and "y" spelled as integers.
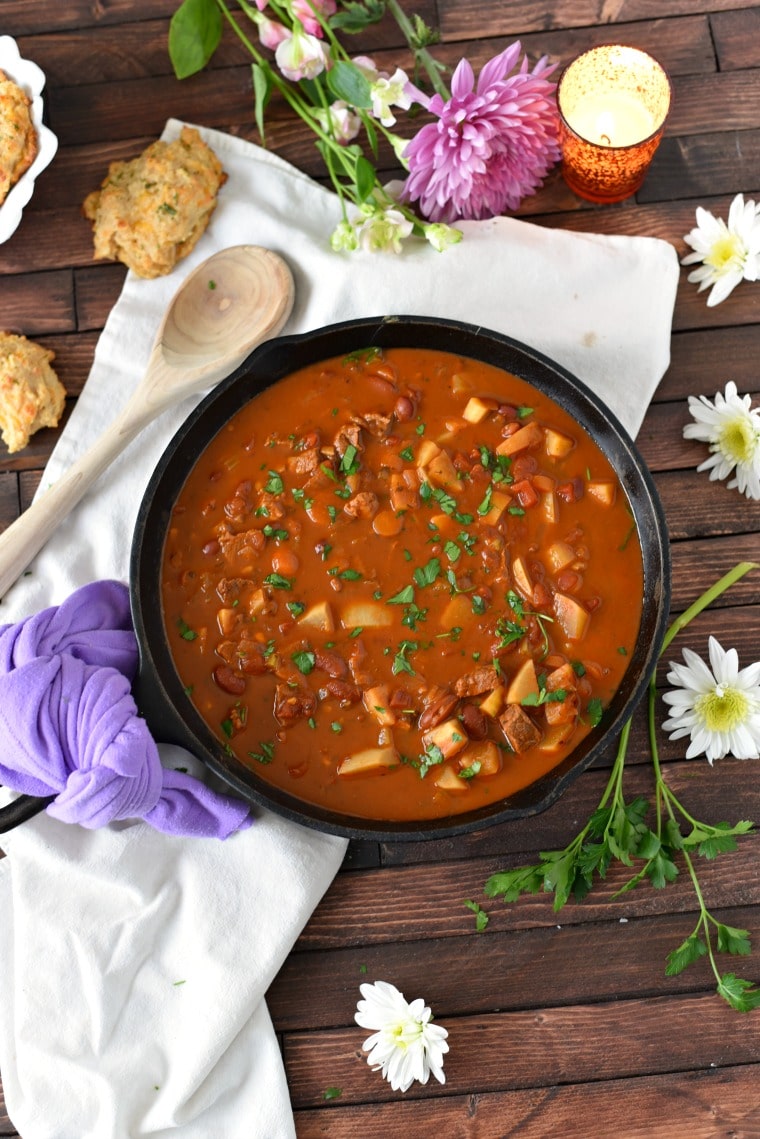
{"x": 275, "y": 485}
{"x": 226, "y": 726}
{"x": 295, "y": 607}
{"x": 485, "y": 505}
{"x": 185, "y": 631}
{"x": 404, "y": 596}
{"x": 429, "y": 758}
{"x": 304, "y": 660}
{"x": 478, "y": 604}
{"x": 426, "y": 575}
{"x": 401, "y": 662}
{"x": 266, "y": 752}
{"x": 524, "y": 412}
{"x": 594, "y": 711}
{"x": 413, "y": 615}
{"x": 452, "y": 551}
{"x": 277, "y": 581}
{"x": 407, "y": 454}
{"x": 275, "y": 532}
{"x": 471, "y": 771}
{"x": 363, "y": 355}
{"x": 349, "y": 464}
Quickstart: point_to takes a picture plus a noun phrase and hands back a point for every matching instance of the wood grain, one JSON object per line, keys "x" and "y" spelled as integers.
{"x": 561, "y": 1023}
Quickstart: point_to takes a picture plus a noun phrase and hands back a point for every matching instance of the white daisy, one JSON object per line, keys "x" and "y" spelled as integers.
{"x": 719, "y": 708}
{"x": 729, "y": 253}
{"x": 731, "y": 426}
{"x": 405, "y": 1045}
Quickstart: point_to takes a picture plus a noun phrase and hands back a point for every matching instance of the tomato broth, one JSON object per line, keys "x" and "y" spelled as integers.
{"x": 401, "y": 584}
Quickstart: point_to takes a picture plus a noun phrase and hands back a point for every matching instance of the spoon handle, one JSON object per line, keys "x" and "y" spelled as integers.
{"x": 29, "y": 533}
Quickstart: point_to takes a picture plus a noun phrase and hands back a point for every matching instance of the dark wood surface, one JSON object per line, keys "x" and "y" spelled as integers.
{"x": 560, "y": 1024}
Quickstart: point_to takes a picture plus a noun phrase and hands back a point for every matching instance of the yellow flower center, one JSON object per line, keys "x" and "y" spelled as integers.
{"x": 726, "y": 253}
{"x": 738, "y": 439}
{"x": 723, "y": 709}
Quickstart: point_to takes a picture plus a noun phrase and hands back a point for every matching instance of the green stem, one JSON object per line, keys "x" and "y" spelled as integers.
{"x": 421, "y": 54}
{"x": 706, "y": 599}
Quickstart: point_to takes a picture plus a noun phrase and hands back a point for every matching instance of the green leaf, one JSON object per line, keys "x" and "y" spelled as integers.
{"x": 365, "y": 178}
{"x": 559, "y": 876}
{"x": 512, "y": 883}
{"x": 732, "y": 940}
{"x": 346, "y": 81}
{"x": 194, "y": 34}
{"x": 661, "y": 869}
{"x": 354, "y": 17}
{"x": 304, "y": 660}
{"x": 687, "y": 953}
{"x": 673, "y": 835}
{"x": 649, "y": 845}
{"x": 332, "y": 1093}
{"x": 262, "y": 90}
{"x": 718, "y": 844}
{"x": 740, "y": 994}
{"x": 594, "y": 858}
{"x": 481, "y": 917}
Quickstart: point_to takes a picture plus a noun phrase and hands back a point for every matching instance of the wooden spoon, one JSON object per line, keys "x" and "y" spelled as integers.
{"x": 224, "y": 308}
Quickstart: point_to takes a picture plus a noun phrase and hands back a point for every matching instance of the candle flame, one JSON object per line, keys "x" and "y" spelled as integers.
{"x": 605, "y": 126}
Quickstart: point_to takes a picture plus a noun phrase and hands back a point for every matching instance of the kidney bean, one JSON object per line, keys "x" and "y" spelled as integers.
{"x": 228, "y": 680}
{"x": 403, "y": 409}
{"x": 439, "y": 707}
{"x": 474, "y": 721}
{"x": 285, "y": 562}
{"x": 343, "y": 690}
{"x": 210, "y": 548}
{"x": 568, "y": 581}
{"x": 330, "y": 663}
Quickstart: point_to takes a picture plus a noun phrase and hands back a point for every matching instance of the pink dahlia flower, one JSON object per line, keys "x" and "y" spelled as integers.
{"x": 491, "y": 144}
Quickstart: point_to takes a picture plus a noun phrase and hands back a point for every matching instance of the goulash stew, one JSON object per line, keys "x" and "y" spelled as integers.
{"x": 401, "y": 584}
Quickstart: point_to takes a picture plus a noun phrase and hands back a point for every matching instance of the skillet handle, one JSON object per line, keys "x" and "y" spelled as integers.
{"x": 23, "y": 808}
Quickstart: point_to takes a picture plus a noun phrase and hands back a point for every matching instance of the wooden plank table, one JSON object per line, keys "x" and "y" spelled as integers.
{"x": 560, "y": 1024}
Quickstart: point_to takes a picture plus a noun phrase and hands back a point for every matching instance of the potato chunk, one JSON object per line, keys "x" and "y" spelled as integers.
{"x": 572, "y": 616}
{"x": 450, "y": 737}
{"x": 523, "y": 683}
{"x": 371, "y": 761}
{"x": 524, "y": 437}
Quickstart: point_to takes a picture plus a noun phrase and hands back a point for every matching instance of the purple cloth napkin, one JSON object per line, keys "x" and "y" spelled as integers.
{"x": 69, "y": 725}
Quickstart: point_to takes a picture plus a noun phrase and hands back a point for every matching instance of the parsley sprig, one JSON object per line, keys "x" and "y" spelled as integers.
{"x": 617, "y": 831}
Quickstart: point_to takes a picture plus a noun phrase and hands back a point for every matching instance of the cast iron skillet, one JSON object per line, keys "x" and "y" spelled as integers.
{"x": 159, "y": 690}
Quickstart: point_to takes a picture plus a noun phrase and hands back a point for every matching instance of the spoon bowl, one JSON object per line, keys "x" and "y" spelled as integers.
{"x": 233, "y": 301}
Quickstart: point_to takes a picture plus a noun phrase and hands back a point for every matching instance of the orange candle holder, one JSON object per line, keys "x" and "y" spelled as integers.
{"x": 613, "y": 102}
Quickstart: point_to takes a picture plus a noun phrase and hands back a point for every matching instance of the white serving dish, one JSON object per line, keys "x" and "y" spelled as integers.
{"x": 31, "y": 79}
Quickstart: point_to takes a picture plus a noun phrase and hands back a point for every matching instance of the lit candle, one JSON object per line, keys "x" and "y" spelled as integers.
{"x": 612, "y": 119}
{"x": 613, "y": 102}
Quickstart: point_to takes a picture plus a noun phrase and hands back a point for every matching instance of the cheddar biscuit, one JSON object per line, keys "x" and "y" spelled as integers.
{"x": 18, "y": 138}
{"x": 150, "y": 211}
{"x": 31, "y": 395}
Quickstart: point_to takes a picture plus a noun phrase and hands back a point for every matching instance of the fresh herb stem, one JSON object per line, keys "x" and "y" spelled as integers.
{"x": 616, "y": 830}
{"x": 422, "y": 56}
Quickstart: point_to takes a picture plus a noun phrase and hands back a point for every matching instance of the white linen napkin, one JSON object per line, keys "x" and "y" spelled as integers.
{"x": 134, "y": 965}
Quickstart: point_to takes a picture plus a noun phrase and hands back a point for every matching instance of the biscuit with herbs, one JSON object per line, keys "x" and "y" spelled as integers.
{"x": 18, "y": 138}
{"x": 150, "y": 211}
{"x": 31, "y": 395}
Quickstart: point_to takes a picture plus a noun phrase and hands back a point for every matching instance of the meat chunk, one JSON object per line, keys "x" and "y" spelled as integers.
{"x": 439, "y": 705}
{"x": 476, "y": 682}
{"x": 246, "y": 544}
{"x": 304, "y": 462}
{"x": 230, "y": 589}
{"x": 350, "y": 435}
{"x": 375, "y": 422}
{"x": 519, "y": 729}
{"x": 293, "y": 702}
{"x": 363, "y": 505}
